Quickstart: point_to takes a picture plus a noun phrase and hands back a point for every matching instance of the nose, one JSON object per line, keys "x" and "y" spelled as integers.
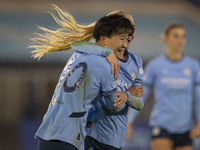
{"x": 125, "y": 45}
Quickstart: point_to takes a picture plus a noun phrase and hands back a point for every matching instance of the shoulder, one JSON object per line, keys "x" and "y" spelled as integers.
{"x": 191, "y": 60}
{"x": 137, "y": 59}
{"x": 156, "y": 61}
{"x": 194, "y": 63}
{"x": 94, "y": 61}
{"x": 100, "y": 68}
{"x": 98, "y": 60}
{"x": 98, "y": 64}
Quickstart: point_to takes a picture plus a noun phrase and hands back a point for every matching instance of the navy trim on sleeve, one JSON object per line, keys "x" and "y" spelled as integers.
{"x": 137, "y": 80}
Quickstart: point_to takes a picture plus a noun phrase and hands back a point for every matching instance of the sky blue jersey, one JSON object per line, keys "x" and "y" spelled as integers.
{"x": 110, "y": 128}
{"x": 82, "y": 80}
{"x": 103, "y": 124}
{"x": 175, "y": 85}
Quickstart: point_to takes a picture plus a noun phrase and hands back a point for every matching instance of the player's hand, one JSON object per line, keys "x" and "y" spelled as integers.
{"x": 195, "y": 133}
{"x": 136, "y": 91}
{"x": 129, "y": 134}
{"x": 115, "y": 66}
{"x": 121, "y": 100}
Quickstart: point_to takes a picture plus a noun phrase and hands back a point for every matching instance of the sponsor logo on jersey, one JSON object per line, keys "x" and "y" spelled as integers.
{"x": 121, "y": 84}
{"x": 187, "y": 71}
{"x": 133, "y": 76}
{"x": 115, "y": 84}
{"x": 176, "y": 82}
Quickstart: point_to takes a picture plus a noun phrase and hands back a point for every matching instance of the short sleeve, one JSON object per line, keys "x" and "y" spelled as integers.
{"x": 139, "y": 77}
{"x": 149, "y": 75}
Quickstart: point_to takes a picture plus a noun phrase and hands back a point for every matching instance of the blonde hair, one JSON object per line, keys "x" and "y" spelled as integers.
{"x": 123, "y": 13}
{"x": 61, "y": 39}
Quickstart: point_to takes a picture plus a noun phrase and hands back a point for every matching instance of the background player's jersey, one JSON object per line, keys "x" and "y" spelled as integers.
{"x": 83, "y": 78}
{"x": 104, "y": 125}
{"x": 173, "y": 84}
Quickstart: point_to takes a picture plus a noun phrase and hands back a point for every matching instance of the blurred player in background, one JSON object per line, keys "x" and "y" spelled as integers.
{"x": 175, "y": 79}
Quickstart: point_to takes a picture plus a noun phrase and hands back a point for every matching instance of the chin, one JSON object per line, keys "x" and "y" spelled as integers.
{"x": 179, "y": 49}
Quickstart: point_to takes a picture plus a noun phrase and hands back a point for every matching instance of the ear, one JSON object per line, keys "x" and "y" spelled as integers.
{"x": 133, "y": 35}
{"x": 103, "y": 40}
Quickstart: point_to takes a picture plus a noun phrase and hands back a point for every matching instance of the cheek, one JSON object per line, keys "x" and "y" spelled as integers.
{"x": 183, "y": 40}
{"x": 117, "y": 43}
{"x": 113, "y": 44}
{"x": 172, "y": 41}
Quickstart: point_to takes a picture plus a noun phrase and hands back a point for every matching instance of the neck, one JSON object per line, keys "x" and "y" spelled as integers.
{"x": 174, "y": 55}
{"x": 100, "y": 44}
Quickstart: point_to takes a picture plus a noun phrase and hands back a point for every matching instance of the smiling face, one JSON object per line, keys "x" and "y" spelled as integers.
{"x": 175, "y": 40}
{"x": 114, "y": 32}
{"x": 118, "y": 43}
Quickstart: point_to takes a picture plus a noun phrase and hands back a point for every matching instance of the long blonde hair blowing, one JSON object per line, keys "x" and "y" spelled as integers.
{"x": 61, "y": 39}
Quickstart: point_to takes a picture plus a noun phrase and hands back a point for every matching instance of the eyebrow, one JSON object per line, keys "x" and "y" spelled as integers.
{"x": 122, "y": 35}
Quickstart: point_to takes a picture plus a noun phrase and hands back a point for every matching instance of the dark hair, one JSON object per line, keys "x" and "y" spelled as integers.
{"x": 172, "y": 26}
{"x": 112, "y": 25}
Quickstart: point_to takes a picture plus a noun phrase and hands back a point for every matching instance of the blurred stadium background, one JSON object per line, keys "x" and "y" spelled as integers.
{"x": 26, "y": 85}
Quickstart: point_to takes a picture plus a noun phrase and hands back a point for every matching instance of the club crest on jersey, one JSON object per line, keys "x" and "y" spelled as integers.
{"x": 133, "y": 76}
{"x": 53, "y": 101}
{"x": 187, "y": 71}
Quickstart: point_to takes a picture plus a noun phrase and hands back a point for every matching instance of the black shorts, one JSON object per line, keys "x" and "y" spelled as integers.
{"x": 55, "y": 145}
{"x": 96, "y": 145}
{"x": 179, "y": 140}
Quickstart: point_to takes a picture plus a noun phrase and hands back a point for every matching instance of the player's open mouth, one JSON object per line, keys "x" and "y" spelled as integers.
{"x": 119, "y": 50}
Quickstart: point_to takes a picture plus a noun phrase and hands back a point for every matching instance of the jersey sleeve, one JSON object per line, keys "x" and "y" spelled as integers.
{"x": 88, "y": 48}
{"x": 134, "y": 102}
{"x": 132, "y": 113}
{"x": 139, "y": 77}
{"x": 149, "y": 75}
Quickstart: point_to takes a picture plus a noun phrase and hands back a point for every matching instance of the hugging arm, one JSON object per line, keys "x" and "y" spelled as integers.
{"x": 93, "y": 49}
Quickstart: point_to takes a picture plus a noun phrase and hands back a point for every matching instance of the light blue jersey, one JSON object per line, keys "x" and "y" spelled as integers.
{"x": 108, "y": 128}
{"x": 103, "y": 124}
{"x": 84, "y": 78}
{"x": 175, "y": 84}
{"x": 80, "y": 82}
